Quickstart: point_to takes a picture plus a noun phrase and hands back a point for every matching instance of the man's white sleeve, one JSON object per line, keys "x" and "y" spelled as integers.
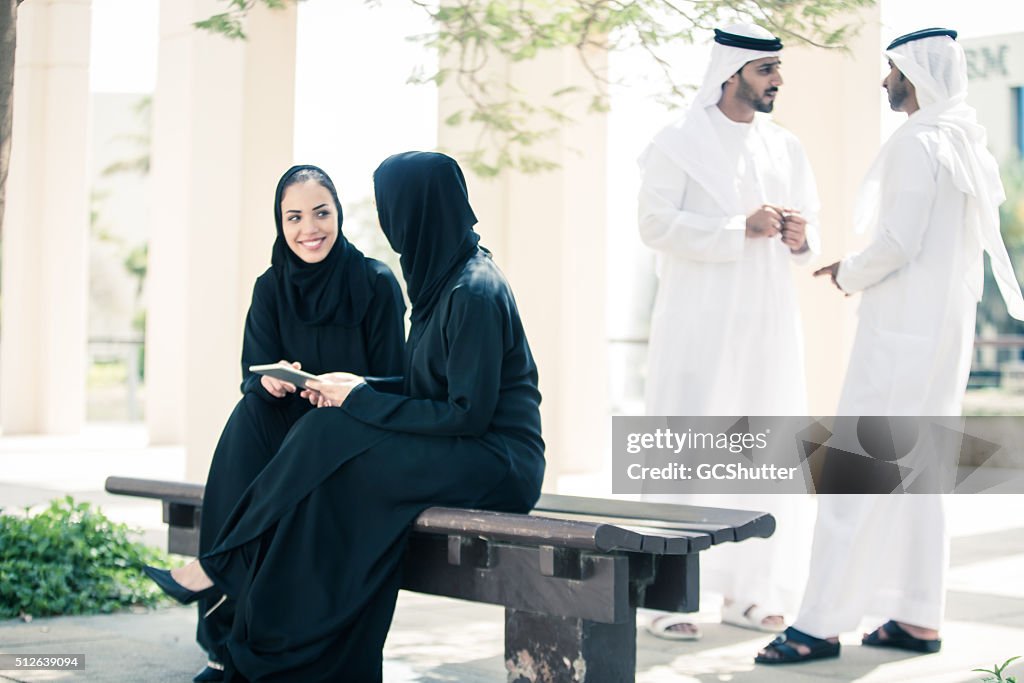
{"x": 665, "y": 226}
{"x": 908, "y": 192}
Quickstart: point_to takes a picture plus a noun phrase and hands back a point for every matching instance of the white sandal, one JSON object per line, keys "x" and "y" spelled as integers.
{"x": 752, "y": 617}
{"x": 661, "y": 627}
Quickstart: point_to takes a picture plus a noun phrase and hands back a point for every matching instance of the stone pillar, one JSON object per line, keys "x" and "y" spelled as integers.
{"x": 46, "y": 227}
{"x": 548, "y": 234}
{"x": 223, "y": 130}
{"x": 832, "y": 102}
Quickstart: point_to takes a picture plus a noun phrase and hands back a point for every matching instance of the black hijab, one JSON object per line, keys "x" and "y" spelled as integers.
{"x": 335, "y": 291}
{"x": 424, "y": 212}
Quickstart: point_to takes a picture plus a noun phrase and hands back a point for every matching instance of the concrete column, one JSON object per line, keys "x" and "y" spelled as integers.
{"x": 223, "y": 131}
{"x": 547, "y": 232}
{"x": 46, "y": 227}
{"x": 831, "y": 101}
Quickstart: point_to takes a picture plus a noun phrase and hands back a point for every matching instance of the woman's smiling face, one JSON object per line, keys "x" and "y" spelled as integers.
{"x": 309, "y": 220}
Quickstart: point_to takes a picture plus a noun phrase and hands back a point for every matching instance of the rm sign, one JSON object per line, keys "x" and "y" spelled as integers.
{"x": 987, "y": 61}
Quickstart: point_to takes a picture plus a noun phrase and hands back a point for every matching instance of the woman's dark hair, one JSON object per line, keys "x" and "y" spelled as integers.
{"x": 315, "y": 174}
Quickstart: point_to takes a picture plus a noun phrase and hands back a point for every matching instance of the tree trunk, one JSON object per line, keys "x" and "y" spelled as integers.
{"x": 8, "y": 29}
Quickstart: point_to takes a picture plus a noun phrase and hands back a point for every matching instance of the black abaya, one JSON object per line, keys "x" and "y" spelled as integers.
{"x": 260, "y": 422}
{"x": 344, "y": 314}
{"x": 312, "y": 551}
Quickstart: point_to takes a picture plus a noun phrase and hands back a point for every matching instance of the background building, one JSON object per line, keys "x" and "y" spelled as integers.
{"x": 995, "y": 66}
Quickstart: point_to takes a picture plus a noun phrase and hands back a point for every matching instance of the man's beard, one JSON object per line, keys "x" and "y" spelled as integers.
{"x": 747, "y": 93}
{"x": 897, "y": 93}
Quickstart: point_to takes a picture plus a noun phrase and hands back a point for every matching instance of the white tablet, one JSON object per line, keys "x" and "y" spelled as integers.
{"x": 285, "y": 372}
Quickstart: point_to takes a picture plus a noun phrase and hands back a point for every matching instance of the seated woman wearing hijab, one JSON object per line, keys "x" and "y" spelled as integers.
{"x": 321, "y": 305}
{"x": 312, "y": 552}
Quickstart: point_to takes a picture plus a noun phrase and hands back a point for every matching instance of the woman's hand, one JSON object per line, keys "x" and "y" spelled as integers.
{"x": 278, "y": 388}
{"x": 331, "y": 389}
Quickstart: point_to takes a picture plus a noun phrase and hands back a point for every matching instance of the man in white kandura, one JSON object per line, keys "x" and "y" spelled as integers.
{"x": 728, "y": 202}
{"x": 932, "y": 197}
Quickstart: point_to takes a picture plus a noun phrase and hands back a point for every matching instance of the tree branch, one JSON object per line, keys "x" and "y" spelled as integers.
{"x": 520, "y": 30}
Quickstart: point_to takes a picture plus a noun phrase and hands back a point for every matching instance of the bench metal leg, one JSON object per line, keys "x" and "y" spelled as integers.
{"x": 548, "y": 649}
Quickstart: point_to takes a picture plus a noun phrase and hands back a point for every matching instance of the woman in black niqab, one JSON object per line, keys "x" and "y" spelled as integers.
{"x": 424, "y": 212}
{"x": 314, "y": 547}
{"x": 341, "y": 312}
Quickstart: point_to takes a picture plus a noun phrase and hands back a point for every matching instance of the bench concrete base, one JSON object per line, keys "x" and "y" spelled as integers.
{"x": 541, "y": 648}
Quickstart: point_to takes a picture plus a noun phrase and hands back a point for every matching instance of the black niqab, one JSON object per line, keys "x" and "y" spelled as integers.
{"x": 424, "y": 212}
{"x": 335, "y": 291}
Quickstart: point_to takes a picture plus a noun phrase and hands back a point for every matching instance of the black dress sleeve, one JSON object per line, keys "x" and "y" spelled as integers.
{"x": 473, "y": 340}
{"x": 262, "y": 341}
{"x": 389, "y": 385}
{"x": 384, "y": 327}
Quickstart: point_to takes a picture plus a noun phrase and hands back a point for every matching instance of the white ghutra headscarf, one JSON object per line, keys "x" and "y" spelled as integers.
{"x": 935, "y": 63}
{"x": 691, "y": 143}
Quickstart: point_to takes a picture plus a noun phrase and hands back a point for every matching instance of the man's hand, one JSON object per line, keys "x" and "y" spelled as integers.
{"x": 794, "y": 231}
{"x": 331, "y": 389}
{"x": 278, "y": 388}
{"x": 832, "y": 270}
{"x": 765, "y": 222}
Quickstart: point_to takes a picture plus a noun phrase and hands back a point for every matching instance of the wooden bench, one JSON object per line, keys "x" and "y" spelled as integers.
{"x": 570, "y": 575}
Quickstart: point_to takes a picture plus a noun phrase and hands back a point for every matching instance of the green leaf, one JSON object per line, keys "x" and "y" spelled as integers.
{"x": 228, "y": 25}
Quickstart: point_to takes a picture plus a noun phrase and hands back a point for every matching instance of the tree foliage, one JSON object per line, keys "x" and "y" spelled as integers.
{"x": 230, "y": 23}
{"x": 475, "y": 38}
{"x": 470, "y": 34}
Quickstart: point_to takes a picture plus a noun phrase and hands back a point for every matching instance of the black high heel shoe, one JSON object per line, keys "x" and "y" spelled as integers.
{"x": 166, "y": 583}
{"x": 214, "y": 671}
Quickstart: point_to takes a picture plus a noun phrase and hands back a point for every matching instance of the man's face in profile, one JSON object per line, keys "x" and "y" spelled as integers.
{"x": 759, "y": 82}
{"x": 897, "y": 87}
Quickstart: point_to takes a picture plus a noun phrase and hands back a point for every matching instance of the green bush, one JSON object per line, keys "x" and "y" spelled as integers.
{"x": 71, "y": 559}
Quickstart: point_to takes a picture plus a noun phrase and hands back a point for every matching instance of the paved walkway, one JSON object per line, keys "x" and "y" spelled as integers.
{"x": 436, "y": 639}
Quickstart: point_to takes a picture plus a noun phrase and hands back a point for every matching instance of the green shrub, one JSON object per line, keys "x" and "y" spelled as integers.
{"x": 71, "y": 559}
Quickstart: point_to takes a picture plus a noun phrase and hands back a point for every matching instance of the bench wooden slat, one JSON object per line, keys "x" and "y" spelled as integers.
{"x": 697, "y": 539}
{"x": 739, "y": 524}
{"x": 720, "y": 523}
{"x": 571, "y": 529}
{"x": 505, "y": 526}
{"x": 171, "y": 491}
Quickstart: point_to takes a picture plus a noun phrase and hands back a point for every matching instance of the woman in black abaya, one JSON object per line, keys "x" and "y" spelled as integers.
{"x": 321, "y": 304}
{"x": 312, "y": 551}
